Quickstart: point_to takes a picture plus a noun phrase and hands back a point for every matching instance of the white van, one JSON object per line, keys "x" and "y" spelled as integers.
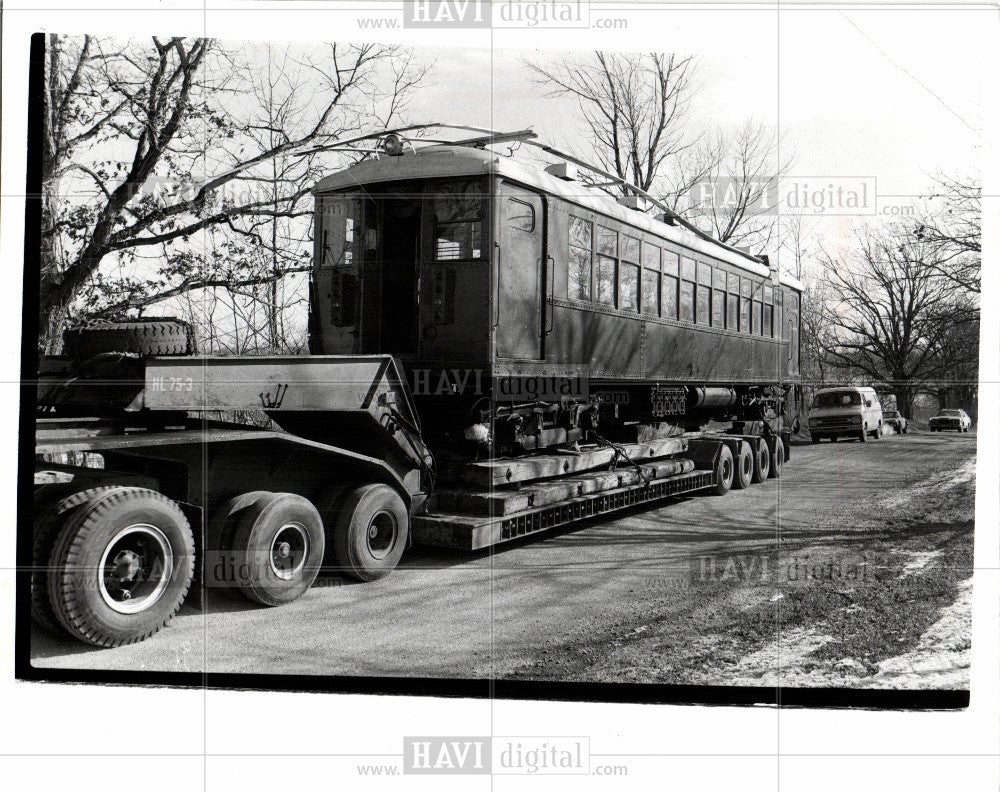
{"x": 845, "y": 412}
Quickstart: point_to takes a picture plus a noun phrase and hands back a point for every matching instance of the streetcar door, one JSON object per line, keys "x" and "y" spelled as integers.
{"x": 520, "y": 274}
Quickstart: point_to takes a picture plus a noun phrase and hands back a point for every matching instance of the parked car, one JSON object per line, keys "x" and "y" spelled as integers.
{"x": 951, "y": 419}
{"x": 894, "y": 418}
{"x": 845, "y": 412}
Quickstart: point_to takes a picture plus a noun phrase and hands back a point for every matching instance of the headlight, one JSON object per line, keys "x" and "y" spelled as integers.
{"x": 856, "y": 419}
{"x": 812, "y": 421}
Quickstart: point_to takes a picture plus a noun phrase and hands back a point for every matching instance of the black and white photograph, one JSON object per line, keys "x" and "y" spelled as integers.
{"x": 526, "y": 388}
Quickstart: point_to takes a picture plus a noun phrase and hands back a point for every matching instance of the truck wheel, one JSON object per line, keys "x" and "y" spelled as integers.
{"x": 744, "y": 467}
{"x": 278, "y": 548}
{"x": 777, "y": 459}
{"x": 816, "y": 439}
{"x": 761, "y": 463}
{"x": 52, "y": 510}
{"x": 219, "y": 565}
{"x": 725, "y": 469}
{"x": 371, "y": 532}
{"x": 121, "y": 566}
{"x": 863, "y": 436}
{"x": 329, "y": 504}
{"x": 879, "y": 432}
{"x": 142, "y": 337}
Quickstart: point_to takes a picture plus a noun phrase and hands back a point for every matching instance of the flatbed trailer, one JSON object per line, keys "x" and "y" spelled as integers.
{"x": 134, "y": 505}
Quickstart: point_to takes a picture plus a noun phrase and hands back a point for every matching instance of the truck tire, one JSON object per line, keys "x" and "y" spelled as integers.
{"x": 371, "y": 532}
{"x": 725, "y": 469}
{"x": 777, "y": 460}
{"x": 52, "y": 509}
{"x": 278, "y": 548}
{"x": 744, "y": 467}
{"x": 142, "y": 337}
{"x": 129, "y": 536}
{"x": 219, "y": 563}
{"x": 761, "y": 463}
{"x": 815, "y": 439}
{"x": 879, "y": 432}
{"x": 863, "y": 436}
{"x": 329, "y": 504}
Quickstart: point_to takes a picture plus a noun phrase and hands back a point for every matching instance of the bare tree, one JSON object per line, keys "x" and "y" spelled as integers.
{"x": 733, "y": 188}
{"x": 636, "y": 109}
{"x": 175, "y": 105}
{"x": 953, "y": 227}
{"x": 634, "y": 105}
{"x": 890, "y": 312}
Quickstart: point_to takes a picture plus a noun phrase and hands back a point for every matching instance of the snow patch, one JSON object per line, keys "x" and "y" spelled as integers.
{"x": 941, "y": 658}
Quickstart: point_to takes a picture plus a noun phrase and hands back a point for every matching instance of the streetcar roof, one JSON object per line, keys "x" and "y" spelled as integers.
{"x": 451, "y": 161}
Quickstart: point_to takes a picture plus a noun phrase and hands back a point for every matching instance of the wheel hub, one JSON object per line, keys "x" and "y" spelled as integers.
{"x": 382, "y": 532}
{"x": 289, "y": 550}
{"x": 135, "y": 568}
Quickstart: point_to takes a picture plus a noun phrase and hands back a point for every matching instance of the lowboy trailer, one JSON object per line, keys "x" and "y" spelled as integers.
{"x": 157, "y": 469}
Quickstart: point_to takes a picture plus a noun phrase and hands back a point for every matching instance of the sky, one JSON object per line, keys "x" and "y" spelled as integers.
{"x": 893, "y": 97}
{"x": 852, "y": 94}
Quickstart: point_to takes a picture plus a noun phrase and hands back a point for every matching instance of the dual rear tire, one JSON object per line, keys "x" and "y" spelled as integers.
{"x": 275, "y": 543}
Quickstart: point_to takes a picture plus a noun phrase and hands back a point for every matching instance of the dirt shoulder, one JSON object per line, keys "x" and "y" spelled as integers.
{"x": 885, "y": 606}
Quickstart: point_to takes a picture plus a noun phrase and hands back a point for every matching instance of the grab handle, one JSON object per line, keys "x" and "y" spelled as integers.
{"x": 550, "y": 275}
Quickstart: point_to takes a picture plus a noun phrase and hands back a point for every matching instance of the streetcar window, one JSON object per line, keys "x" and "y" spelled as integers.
{"x": 578, "y": 277}
{"x": 457, "y": 211}
{"x": 669, "y": 297}
{"x": 669, "y": 262}
{"x": 744, "y": 314}
{"x": 704, "y": 301}
{"x": 688, "y": 269}
{"x": 628, "y": 285}
{"x": 718, "y": 308}
{"x": 650, "y": 279}
{"x": 733, "y": 306}
{"x": 604, "y": 279}
{"x": 630, "y": 249}
{"x": 458, "y": 241}
{"x": 757, "y": 324}
{"x": 650, "y": 256}
{"x": 520, "y": 215}
{"x": 687, "y": 301}
{"x": 651, "y": 290}
{"x": 337, "y": 245}
{"x": 733, "y": 312}
{"x": 779, "y": 328}
{"x": 581, "y": 234}
{"x": 769, "y": 321}
{"x": 607, "y": 242}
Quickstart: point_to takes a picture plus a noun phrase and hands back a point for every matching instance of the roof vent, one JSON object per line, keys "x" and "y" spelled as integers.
{"x": 563, "y": 170}
{"x": 636, "y": 202}
{"x": 665, "y": 217}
